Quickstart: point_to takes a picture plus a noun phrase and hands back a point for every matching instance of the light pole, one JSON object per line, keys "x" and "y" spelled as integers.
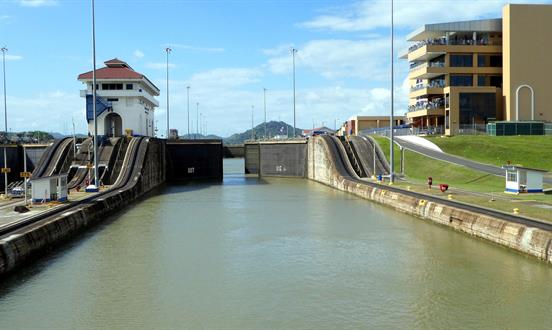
{"x": 391, "y": 119}
{"x": 168, "y": 51}
{"x": 200, "y": 124}
{"x": 188, "y": 92}
{"x": 197, "y": 120}
{"x": 4, "y": 50}
{"x": 293, "y": 52}
{"x": 252, "y": 127}
{"x": 264, "y": 99}
{"x": 93, "y": 187}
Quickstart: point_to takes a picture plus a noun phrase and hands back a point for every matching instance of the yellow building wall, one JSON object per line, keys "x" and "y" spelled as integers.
{"x": 527, "y": 45}
{"x": 454, "y": 102}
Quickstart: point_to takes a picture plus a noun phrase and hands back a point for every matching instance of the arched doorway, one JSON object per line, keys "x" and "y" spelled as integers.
{"x": 113, "y": 125}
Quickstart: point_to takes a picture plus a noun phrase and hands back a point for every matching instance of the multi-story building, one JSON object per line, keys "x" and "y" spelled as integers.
{"x": 465, "y": 74}
{"x": 125, "y": 100}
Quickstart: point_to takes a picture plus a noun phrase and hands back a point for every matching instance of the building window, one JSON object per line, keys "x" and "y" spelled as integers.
{"x": 495, "y": 81}
{"x": 477, "y": 108}
{"x": 481, "y": 80}
{"x": 458, "y": 60}
{"x": 512, "y": 176}
{"x": 129, "y": 86}
{"x": 493, "y": 61}
{"x": 458, "y": 80}
{"x": 112, "y": 86}
{"x": 112, "y": 100}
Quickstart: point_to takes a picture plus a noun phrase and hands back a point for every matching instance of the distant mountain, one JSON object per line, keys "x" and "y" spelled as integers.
{"x": 273, "y": 128}
{"x": 200, "y": 137}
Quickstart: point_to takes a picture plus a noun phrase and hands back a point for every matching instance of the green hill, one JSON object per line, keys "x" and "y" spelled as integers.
{"x": 530, "y": 151}
{"x": 273, "y": 128}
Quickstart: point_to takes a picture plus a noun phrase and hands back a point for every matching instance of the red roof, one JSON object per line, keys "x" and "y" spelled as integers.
{"x": 114, "y": 69}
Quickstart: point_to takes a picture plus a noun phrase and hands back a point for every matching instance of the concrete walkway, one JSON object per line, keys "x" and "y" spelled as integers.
{"x": 491, "y": 169}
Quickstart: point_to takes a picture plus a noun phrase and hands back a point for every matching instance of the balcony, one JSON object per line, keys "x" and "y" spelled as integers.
{"x": 433, "y": 84}
{"x": 451, "y": 42}
{"x": 433, "y": 107}
{"x": 428, "y": 50}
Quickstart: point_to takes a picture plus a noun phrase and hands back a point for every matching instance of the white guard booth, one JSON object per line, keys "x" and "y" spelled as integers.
{"x": 49, "y": 189}
{"x": 523, "y": 179}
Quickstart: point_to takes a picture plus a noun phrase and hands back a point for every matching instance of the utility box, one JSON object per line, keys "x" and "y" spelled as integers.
{"x": 49, "y": 189}
{"x": 523, "y": 179}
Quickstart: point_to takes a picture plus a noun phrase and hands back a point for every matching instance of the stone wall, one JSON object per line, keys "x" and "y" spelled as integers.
{"x": 325, "y": 166}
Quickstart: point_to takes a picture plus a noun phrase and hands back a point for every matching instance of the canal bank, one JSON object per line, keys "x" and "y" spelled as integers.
{"x": 143, "y": 169}
{"x": 328, "y": 164}
{"x": 274, "y": 253}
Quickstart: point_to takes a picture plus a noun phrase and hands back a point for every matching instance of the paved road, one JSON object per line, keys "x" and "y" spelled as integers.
{"x": 495, "y": 170}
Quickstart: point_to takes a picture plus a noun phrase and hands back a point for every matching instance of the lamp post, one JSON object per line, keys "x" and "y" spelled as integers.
{"x": 168, "y": 51}
{"x": 391, "y": 119}
{"x": 93, "y": 187}
{"x": 252, "y": 125}
{"x": 4, "y": 50}
{"x": 188, "y": 92}
{"x": 264, "y": 100}
{"x": 197, "y": 120}
{"x": 293, "y": 52}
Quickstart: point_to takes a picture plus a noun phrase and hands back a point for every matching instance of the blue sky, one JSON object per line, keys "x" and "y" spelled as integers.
{"x": 227, "y": 51}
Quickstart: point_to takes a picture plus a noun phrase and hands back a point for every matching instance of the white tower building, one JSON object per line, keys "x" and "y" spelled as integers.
{"x": 125, "y": 100}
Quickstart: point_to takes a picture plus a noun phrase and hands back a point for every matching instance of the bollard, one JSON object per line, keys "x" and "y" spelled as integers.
{"x": 422, "y": 202}
{"x": 450, "y": 196}
{"x": 516, "y": 210}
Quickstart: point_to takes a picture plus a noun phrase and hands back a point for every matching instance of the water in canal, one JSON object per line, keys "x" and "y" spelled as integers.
{"x": 277, "y": 253}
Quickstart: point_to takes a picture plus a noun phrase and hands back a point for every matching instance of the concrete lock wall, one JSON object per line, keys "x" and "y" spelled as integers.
{"x": 22, "y": 244}
{"x": 285, "y": 159}
{"x": 323, "y": 168}
{"x": 251, "y": 158}
{"x": 194, "y": 159}
{"x": 234, "y": 151}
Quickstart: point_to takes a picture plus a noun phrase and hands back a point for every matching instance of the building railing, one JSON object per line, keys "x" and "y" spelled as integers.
{"x": 472, "y": 129}
{"x": 422, "y": 65}
{"x": 431, "y": 105}
{"x": 443, "y": 41}
{"x": 384, "y": 131}
{"x": 433, "y": 84}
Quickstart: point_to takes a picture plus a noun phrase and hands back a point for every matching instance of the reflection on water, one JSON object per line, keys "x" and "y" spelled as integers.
{"x": 276, "y": 253}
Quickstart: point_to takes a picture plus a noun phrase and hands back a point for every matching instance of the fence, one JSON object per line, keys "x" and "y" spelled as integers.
{"x": 384, "y": 131}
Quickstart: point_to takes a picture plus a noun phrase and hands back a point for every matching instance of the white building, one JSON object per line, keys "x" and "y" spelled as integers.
{"x": 125, "y": 100}
{"x": 523, "y": 179}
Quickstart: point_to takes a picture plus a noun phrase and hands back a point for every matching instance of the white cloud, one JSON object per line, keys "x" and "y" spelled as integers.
{"x": 224, "y": 78}
{"x": 338, "y": 58}
{"x": 225, "y": 96}
{"x": 278, "y": 51}
{"x": 38, "y": 3}
{"x": 159, "y": 65}
{"x": 195, "y": 48}
{"x": 138, "y": 53}
{"x": 28, "y": 112}
{"x": 370, "y": 15}
{"x": 10, "y": 57}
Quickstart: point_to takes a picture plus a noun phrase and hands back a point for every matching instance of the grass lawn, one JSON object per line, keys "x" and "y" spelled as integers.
{"x": 465, "y": 185}
{"x": 530, "y": 151}
{"x": 418, "y": 168}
